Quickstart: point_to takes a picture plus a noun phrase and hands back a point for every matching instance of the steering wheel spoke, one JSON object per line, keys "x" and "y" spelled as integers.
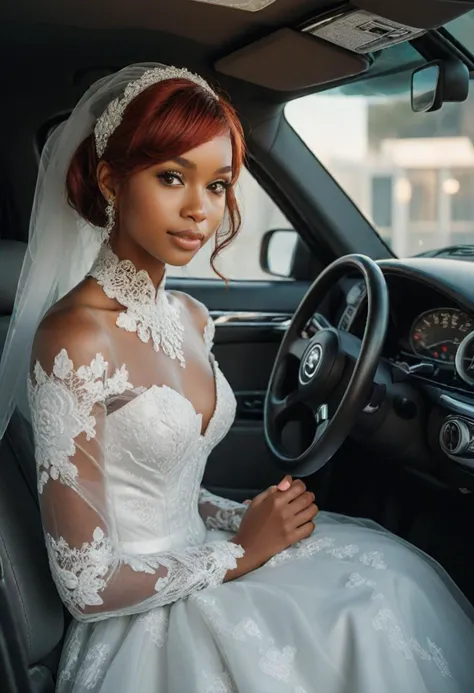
{"x": 298, "y": 347}
{"x": 321, "y": 417}
{"x": 281, "y": 405}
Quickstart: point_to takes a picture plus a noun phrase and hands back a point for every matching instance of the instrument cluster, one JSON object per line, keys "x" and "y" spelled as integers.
{"x": 436, "y": 334}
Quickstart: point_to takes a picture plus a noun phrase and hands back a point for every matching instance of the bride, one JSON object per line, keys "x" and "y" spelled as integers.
{"x": 172, "y": 589}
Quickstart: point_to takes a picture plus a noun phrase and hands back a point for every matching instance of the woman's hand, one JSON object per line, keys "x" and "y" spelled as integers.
{"x": 276, "y": 519}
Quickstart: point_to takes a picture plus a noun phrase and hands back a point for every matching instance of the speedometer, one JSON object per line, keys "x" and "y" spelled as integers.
{"x": 437, "y": 334}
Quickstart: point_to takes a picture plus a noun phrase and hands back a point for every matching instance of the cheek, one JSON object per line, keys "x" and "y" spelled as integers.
{"x": 143, "y": 206}
{"x": 217, "y": 212}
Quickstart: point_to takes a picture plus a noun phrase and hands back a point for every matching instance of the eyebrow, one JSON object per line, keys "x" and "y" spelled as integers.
{"x": 185, "y": 163}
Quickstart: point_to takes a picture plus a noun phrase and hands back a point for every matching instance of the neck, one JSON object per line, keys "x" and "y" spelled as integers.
{"x": 140, "y": 258}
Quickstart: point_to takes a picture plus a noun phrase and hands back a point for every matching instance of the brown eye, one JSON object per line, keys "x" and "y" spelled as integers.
{"x": 219, "y": 187}
{"x": 170, "y": 178}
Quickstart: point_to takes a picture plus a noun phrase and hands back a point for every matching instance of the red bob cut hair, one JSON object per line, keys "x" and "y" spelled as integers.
{"x": 163, "y": 122}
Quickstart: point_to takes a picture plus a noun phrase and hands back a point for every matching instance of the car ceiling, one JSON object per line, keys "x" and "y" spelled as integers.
{"x": 55, "y": 48}
{"x": 210, "y": 24}
{"x": 218, "y": 30}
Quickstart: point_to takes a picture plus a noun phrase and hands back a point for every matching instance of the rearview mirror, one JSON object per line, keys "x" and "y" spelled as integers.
{"x": 438, "y": 82}
{"x": 426, "y": 89}
{"x": 277, "y": 252}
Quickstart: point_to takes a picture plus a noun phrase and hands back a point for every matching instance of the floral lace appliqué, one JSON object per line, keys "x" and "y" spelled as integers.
{"x": 195, "y": 568}
{"x": 221, "y": 683}
{"x": 220, "y": 513}
{"x": 79, "y": 573}
{"x": 70, "y": 656}
{"x": 279, "y": 664}
{"x": 93, "y": 668}
{"x": 150, "y": 312}
{"x": 357, "y": 581}
{"x": 61, "y": 407}
{"x": 385, "y": 621}
{"x": 155, "y": 623}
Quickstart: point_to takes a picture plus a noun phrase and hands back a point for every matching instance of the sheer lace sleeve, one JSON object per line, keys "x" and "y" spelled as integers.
{"x": 209, "y": 333}
{"x": 220, "y": 513}
{"x": 95, "y": 577}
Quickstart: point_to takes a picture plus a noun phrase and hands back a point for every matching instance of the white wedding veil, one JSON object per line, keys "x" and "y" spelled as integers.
{"x": 62, "y": 246}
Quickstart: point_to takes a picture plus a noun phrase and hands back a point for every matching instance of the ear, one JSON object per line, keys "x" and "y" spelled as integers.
{"x": 105, "y": 180}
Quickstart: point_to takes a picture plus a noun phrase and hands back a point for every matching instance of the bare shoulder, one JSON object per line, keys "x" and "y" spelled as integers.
{"x": 74, "y": 329}
{"x": 197, "y": 310}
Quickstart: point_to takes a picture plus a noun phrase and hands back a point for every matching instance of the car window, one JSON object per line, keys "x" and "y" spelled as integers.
{"x": 411, "y": 174}
{"x": 241, "y": 259}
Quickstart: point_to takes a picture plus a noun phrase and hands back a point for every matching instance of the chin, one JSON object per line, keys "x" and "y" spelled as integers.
{"x": 179, "y": 259}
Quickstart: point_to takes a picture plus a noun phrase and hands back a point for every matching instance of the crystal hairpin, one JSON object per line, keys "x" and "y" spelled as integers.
{"x": 111, "y": 118}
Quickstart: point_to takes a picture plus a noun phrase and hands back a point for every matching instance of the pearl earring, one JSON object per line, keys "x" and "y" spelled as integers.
{"x": 110, "y": 214}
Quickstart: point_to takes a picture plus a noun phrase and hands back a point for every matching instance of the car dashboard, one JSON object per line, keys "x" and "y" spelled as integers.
{"x": 431, "y": 314}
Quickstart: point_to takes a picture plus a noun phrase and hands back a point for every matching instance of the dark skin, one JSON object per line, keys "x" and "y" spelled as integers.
{"x": 184, "y": 196}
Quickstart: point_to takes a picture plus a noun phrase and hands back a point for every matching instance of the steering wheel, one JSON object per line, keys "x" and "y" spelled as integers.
{"x": 323, "y": 383}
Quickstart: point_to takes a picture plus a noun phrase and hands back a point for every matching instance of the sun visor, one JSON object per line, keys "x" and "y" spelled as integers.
{"x": 289, "y": 60}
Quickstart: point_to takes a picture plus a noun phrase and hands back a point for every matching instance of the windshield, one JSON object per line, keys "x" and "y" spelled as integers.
{"x": 411, "y": 174}
{"x": 462, "y": 29}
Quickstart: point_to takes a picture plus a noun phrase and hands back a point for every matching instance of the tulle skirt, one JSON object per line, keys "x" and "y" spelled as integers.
{"x": 352, "y": 609}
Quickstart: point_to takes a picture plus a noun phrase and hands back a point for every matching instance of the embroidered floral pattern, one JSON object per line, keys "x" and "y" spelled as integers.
{"x": 220, "y": 513}
{"x": 150, "y": 313}
{"x": 279, "y": 664}
{"x": 385, "y": 621}
{"x": 79, "y": 573}
{"x": 155, "y": 623}
{"x": 70, "y": 656}
{"x": 93, "y": 668}
{"x": 357, "y": 581}
{"x": 373, "y": 559}
{"x": 61, "y": 408}
{"x": 195, "y": 568}
{"x": 302, "y": 549}
{"x": 221, "y": 683}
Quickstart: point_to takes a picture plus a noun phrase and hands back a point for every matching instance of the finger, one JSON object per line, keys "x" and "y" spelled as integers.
{"x": 285, "y": 483}
{"x": 247, "y": 502}
{"x": 264, "y": 494}
{"x": 306, "y": 515}
{"x": 304, "y": 531}
{"x": 301, "y": 503}
{"x": 295, "y": 490}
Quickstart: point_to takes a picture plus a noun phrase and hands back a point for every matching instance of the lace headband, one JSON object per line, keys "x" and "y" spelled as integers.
{"x": 111, "y": 118}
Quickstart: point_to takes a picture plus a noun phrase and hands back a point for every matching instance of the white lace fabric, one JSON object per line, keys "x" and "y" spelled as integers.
{"x": 220, "y": 513}
{"x": 119, "y": 468}
{"x": 149, "y": 312}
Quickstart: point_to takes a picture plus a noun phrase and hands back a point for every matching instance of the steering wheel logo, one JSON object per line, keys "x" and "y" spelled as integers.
{"x": 311, "y": 363}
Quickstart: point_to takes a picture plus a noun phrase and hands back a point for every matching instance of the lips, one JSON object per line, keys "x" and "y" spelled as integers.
{"x": 187, "y": 240}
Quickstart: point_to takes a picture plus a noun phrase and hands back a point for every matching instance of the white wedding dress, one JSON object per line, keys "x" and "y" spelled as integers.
{"x": 139, "y": 551}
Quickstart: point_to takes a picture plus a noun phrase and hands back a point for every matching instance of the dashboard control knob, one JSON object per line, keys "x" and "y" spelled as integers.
{"x": 455, "y": 437}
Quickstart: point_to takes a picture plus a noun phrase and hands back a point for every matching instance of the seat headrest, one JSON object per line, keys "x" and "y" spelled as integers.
{"x": 12, "y": 254}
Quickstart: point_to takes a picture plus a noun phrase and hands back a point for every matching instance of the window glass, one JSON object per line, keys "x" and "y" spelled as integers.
{"x": 411, "y": 174}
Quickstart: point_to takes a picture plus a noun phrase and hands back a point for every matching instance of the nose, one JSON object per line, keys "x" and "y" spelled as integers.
{"x": 195, "y": 208}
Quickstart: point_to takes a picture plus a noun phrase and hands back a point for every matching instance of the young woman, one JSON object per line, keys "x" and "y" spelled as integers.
{"x": 172, "y": 589}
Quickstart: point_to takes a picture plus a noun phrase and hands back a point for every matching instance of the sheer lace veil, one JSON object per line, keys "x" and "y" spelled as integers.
{"x": 61, "y": 246}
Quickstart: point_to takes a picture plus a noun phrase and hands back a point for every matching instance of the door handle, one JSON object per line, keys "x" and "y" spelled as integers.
{"x": 250, "y": 405}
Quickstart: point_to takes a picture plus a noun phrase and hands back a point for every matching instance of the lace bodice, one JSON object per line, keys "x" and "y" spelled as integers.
{"x": 119, "y": 469}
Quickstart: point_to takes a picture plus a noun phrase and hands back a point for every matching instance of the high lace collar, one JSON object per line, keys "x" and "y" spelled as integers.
{"x": 150, "y": 312}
